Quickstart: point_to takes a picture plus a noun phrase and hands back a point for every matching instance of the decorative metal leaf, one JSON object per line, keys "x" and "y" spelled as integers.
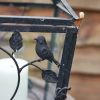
{"x": 49, "y": 76}
{"x": 15, "y": 41}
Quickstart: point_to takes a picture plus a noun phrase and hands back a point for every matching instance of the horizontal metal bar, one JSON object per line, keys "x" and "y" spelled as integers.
{"x": 26, "y": 4}
{"x": 34, "y": 28}
{"x": 36, "y": 20}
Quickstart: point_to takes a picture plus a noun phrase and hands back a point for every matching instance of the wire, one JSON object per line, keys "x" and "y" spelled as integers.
{"x": 30, "y": 63}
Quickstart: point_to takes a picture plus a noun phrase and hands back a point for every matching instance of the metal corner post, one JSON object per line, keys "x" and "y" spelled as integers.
{"x": 66, "y": 63}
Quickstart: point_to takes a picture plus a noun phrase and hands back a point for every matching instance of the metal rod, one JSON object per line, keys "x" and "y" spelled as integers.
{"x": 36, "y": 20}
{"x": 33, "y": 28}
{"x": 25, "y": 4}
{"x": 66, "y": 63}
{"x": 69, "y": 9}
{"x": 52, "y": 44}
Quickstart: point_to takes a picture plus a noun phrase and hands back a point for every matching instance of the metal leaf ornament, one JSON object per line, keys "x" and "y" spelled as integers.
{"x": 49, "y": 76}
{"x": 15, "y": 41}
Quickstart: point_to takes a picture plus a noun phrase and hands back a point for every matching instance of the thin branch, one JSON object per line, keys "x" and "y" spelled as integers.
{"x": 37, "y": 67}
{"x": 30, "y": 63}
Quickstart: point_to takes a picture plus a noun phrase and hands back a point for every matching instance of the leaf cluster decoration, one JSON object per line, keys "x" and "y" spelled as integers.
{"x": 49, "y": 76}
{"x": 15, "y": 41}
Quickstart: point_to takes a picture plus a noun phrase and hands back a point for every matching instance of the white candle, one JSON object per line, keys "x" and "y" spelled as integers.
{"x": 9, "y": 77}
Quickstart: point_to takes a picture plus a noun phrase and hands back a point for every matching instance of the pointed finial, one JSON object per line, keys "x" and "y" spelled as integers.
{"x": 81, "y": 17}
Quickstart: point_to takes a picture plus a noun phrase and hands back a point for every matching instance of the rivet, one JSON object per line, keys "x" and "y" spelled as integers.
{"x": 42, "y": 19}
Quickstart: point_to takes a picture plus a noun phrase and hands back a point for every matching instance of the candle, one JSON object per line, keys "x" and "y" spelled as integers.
{"x": 9, "y": 77}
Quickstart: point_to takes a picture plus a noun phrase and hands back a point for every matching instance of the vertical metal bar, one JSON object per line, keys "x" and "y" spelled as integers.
{"x": 66, "y": 63}
{"x": 52, "y": 45}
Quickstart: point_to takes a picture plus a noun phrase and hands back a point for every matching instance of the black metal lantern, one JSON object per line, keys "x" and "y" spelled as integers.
{"x": 46, "y": 24}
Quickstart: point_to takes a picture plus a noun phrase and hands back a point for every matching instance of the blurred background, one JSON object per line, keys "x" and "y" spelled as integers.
{"x": 85, "y": 75}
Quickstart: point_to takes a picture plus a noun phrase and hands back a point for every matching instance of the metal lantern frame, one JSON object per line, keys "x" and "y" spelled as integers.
{"x": 52, "y": 25}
